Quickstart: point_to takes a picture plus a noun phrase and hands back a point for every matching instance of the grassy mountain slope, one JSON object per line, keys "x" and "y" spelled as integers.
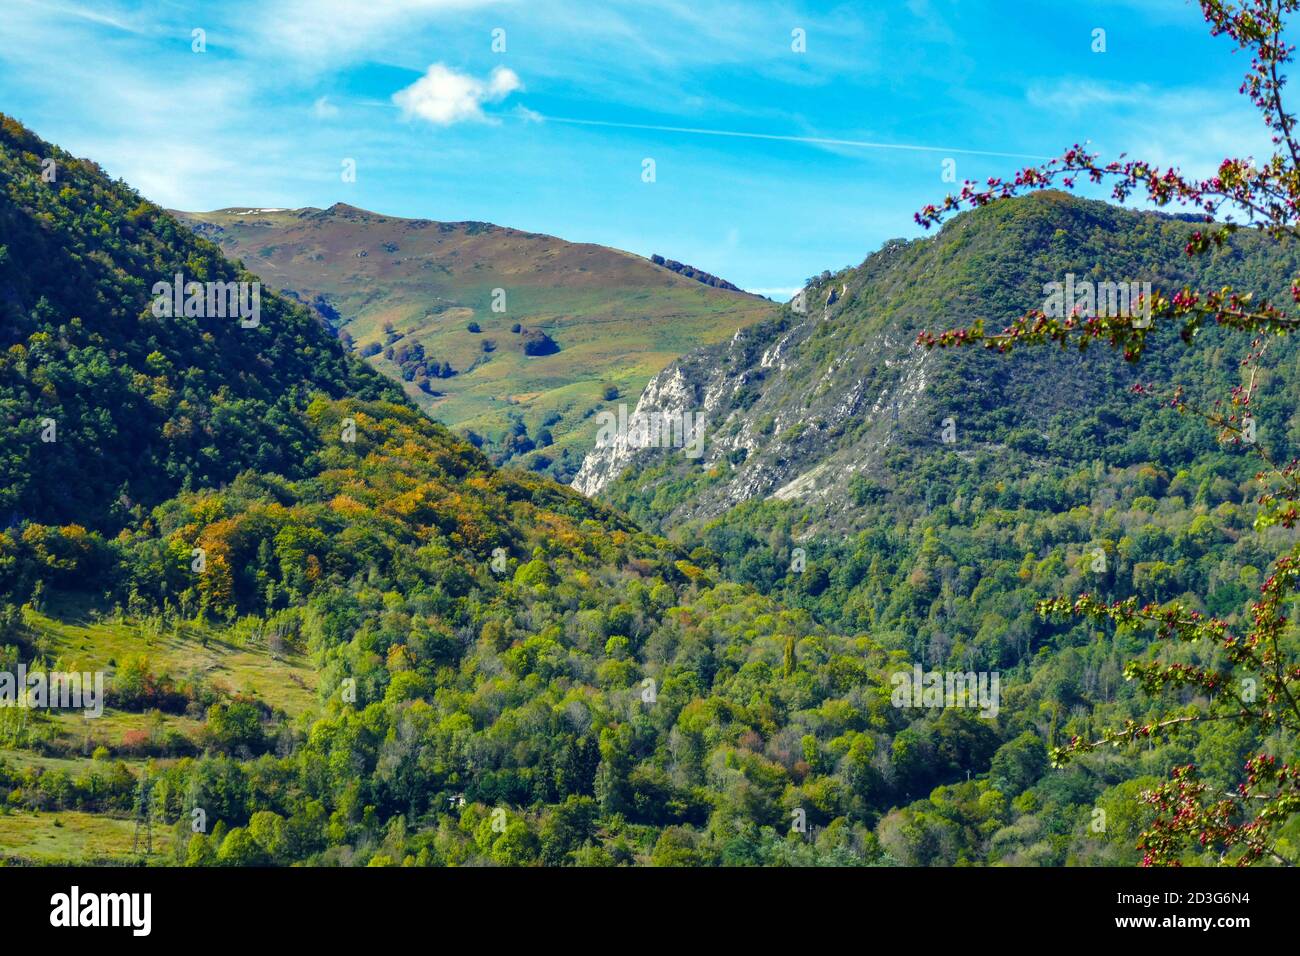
{"x": 615, "y": 319}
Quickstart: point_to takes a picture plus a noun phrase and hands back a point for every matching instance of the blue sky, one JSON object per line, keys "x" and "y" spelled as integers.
{"x": 551, "y": 134}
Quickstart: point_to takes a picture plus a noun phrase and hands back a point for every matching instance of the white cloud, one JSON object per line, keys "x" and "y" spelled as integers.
{"x": 442, "y": 96}
{"x": 324, "y": 109}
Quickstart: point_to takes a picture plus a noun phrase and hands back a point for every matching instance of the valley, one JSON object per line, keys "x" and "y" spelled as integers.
{"x": 336, "y": 632}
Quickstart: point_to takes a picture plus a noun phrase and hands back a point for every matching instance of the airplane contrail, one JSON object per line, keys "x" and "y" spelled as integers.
{"x": 815, "y": 140}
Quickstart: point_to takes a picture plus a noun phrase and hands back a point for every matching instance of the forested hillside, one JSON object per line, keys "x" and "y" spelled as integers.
{"x": 334, "y": 632}
{"x": 142, "y": 406}
{"x": 827, "y": 481}
{"x": 382, "y": 649}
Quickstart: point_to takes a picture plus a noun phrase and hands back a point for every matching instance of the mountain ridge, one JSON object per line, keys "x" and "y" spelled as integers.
{"x": 803, "y": 405}
{"x": 466, "y": 293}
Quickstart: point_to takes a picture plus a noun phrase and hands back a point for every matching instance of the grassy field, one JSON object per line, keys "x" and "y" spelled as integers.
{"x": 71, "y": 765}
{"x": 286, "y": 682}
{"x": 69, "y": 837}
{"x": 617, "y": 318}
{"x": 70, "y": 638}
{"x": 71, "y": 641}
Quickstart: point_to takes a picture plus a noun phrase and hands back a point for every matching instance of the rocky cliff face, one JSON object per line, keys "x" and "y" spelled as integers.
{"x": 772, "y": 430}
{"x": 829, "y": 404}
{"x": 667, "y": 396}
